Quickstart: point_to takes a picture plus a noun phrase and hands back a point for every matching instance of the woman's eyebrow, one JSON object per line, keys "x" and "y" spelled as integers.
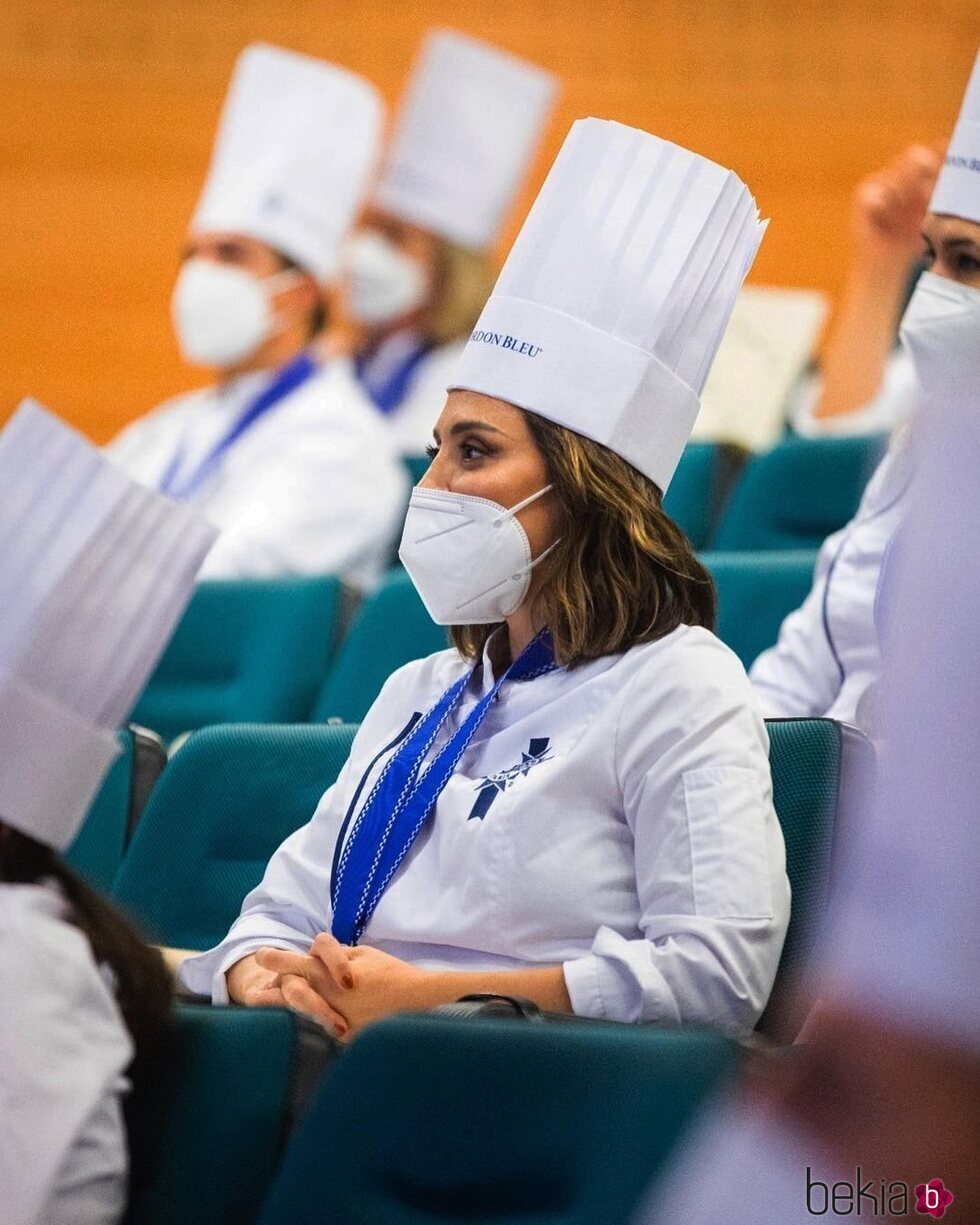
{"x": 953, "y": 244}
{"x": 462, "y": 426}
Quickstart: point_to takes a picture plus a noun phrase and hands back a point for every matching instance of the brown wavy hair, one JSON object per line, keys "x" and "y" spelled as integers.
{"x": 622, "y": 573}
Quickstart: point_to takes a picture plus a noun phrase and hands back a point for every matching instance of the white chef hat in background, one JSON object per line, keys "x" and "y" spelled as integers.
{"x": 297, "y": 142}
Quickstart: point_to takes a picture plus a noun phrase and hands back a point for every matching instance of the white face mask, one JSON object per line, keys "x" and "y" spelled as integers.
{"x": 941, "y": 331}
{"x": 222, "y": 313}
{"x": 381, "y": 281}
{"x": 469, "y": 558}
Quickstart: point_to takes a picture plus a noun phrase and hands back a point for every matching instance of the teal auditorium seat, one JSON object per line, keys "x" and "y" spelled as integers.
{"x": 696, "y": 492}
{"x": 756, "y": 591}
{"x": 101, "y": 842}
{"x": 820, "y": 768}
{"x": 232, "y": 794}
{"x": 390, "y": 628}
{"x": 797, "y": 494}
{"x": 245, "y": 651}
{"x": 699, "y": 488}
{"x": 425, "y": 1120}
{"x": 209, "y": 1126}
{"x": 416, "y": 466}
{"x": 98, "y": 848}
{"x": 224, "y": 803}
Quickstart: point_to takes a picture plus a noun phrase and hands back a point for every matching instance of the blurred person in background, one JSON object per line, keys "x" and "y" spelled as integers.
{"x": 888, "y": 1078}
{"x": 284, "y": 454}
{"x": 866, "y": 381}
{"x": 94, "y": 573}
{"x": 827, "y": 658}
{"x": 575, "y": 804}
{"x": 418, "y": 271}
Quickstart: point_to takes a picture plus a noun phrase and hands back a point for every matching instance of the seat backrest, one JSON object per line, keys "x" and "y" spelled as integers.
{"x": 252, "y": 650}
{"x": 149, "y": 760}
{"x": 696, "y": 492}
{"x": 817, "y": 764}
{"x": 390, "y": 629}
{"x": 98, "y": 848}
{"x": 222, "y": 806}
{"x": 799, "y": 493}
{"x": 429, "y": 1119}
{"x": 416, "y": 466}
{"x": 209, "y": 1123}
{"x": 756, "y": 591}
{"x": 700, "y": 487}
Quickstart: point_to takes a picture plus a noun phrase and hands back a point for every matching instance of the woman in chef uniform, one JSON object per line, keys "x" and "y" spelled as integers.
{"x": 283, "y": 453}
{"x": 94, "y": 573}
{"x": 827, "y": 659}
{"x": 418, "y": 271}
{"x": 575, "y": 805}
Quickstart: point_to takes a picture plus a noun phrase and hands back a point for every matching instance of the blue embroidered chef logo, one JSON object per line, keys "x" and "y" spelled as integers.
{"x": 492, "y": 786}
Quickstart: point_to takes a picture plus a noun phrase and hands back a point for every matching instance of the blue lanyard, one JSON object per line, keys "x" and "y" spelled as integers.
{"x": 389, "y": 397}
{"x": 403, "y": 798}
{"x": 287, "y": 380}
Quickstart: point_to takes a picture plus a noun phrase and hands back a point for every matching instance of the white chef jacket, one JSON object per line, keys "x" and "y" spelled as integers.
{"x": 631, "y": 838}
{"x": 890, "y": 407}
{"x": 827, "y": 656}
{"x": 410, "y": 423}
{"x": 63, "y": 1050}
{"x": 313, "y": 487}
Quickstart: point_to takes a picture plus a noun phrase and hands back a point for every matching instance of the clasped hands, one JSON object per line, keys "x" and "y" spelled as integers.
{"x": 343, "y": 988}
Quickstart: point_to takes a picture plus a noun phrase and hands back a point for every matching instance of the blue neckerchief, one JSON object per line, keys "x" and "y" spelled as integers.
{"x": 403, "y": 798}
{"x": 390, "y": 395}
{"x": 288, "y": 379}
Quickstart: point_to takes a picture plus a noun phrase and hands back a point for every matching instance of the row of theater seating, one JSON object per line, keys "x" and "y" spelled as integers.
{"x": 423, "y": 1119}
{"x": 790, "y": 497}
{"x": 231, "y": 794}
{"x": 286, "y": 650}
{"x": 268, "y": 650}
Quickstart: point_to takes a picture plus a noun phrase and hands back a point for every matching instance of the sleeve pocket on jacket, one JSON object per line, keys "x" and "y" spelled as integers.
{"x": 727, "y": 817}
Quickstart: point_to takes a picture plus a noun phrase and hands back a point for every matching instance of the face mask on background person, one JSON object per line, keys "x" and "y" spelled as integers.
{"x": 382, "y": 282}
{"x": 221, "y": 313}
{"x": 469, "y": 558}
{"x": 941, "y": 331}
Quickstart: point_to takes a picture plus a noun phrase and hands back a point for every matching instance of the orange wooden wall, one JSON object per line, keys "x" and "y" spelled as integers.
{"x": 108, "y": 108}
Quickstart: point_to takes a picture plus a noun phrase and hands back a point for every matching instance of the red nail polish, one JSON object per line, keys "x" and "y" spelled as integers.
{"x": 339, "y": 1030}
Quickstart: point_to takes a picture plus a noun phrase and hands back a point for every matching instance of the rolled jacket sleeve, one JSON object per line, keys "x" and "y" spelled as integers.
{"x": 709, "y": 857}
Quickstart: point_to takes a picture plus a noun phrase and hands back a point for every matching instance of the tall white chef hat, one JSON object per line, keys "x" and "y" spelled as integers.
{"x": 957, "y": 189}
{"x": 466, "y": 131}
{"x": 296, "y": 143}
{"x": 612, "y": 303}
{"x": 94, "y": 572}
